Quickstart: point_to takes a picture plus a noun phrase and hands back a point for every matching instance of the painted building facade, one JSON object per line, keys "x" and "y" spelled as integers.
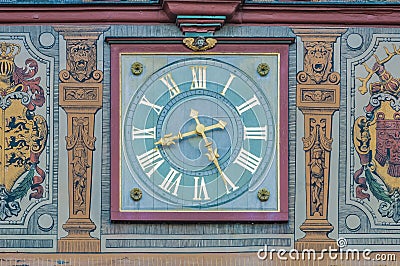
{"x": 105, "y": 105}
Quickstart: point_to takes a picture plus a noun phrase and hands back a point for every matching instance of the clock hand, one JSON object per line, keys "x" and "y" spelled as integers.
{"x": 169, "y": 139}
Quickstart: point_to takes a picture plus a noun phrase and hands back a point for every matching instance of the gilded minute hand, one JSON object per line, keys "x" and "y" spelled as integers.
{"x": 212, "y": 154}
{"x": 169, "y": 139}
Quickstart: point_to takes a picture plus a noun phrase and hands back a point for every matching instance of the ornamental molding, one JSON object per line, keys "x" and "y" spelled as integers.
{"x": 200, "y": 18}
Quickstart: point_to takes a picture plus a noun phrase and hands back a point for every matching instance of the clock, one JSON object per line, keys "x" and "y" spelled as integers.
{"x": 198, "y": 136}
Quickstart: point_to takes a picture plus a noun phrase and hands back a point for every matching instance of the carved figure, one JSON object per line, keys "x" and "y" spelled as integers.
{"x": 80, "y": 143}
{"x": 79, "y": 171}
{"x": 318, "y": 60}
{"x": 317, "y": 174}
{"x": 81, "y": 57}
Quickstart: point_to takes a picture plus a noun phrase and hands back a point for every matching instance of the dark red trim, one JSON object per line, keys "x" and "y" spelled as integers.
{"x": 199, "y": 216}
{"x": 179, "y": 41}
{"x": 83, "y": 15}
{"x": 115, "y": 131}
{"x": 284, "y": 129}
{"x": 313, "y": 15}
{"x": 273, "y": 14}
{"x": 117, "y": 48}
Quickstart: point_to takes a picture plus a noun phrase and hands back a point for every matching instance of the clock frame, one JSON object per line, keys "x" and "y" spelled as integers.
{"x": 121, "y": 208}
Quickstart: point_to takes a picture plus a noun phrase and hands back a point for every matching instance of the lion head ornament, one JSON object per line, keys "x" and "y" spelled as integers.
{"x": 81, "y": 60}
{"x": 318, "y": 60}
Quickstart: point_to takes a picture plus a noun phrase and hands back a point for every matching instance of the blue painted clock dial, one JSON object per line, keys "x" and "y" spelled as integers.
{"x": 189, "y": 154}
{"x": 198, "y": 133}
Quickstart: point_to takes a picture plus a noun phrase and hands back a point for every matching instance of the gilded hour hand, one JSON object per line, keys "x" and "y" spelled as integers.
{"x": 170, "y": 139}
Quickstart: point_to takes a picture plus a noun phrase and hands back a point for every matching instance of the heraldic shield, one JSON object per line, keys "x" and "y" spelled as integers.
{"x": 376, "y": 138}
{"x": 23, "y": 133}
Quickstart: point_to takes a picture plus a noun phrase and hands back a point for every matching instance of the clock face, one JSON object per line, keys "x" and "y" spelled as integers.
{"x": 199, "y": 133}
{"x": 198, "y": 137}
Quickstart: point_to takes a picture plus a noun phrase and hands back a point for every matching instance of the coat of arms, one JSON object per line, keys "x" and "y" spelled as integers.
{"x": 376, "y": 137}
{"x": 23, "y": 133}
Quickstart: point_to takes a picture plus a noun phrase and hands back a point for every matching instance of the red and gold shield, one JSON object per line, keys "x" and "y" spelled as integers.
{"x": 377, "y": 142}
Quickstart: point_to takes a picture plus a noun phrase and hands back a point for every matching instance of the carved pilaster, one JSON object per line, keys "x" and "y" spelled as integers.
{"x": 318, "y": 97}
{"x": 80, "y": 97}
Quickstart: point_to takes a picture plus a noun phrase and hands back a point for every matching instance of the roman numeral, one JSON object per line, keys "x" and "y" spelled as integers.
{"x": 228, "y": 183}
{"x": 199, "y": 74}
{"x": 147, "y": 133}
{"x": 171, "y": 85}
{"x": 169, "y": 182}
{"x": 150, "y": 161}
{"x": 247, "y": 105}
{"x": 199, "y": 190}
{"x": 255, "y": 133}
{"x": 155, "y": 107}
{"x": 248, "y": 160}
{"x": 228, "y": 84}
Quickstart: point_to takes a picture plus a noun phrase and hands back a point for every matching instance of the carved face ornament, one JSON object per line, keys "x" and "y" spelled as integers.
{"x": 318, "y": 95}
{"x": 318, "y": 60}
{"x": 81, "y": 60}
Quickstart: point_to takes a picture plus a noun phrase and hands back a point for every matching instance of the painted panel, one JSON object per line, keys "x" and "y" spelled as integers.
{"x": 26, "y": 122}
{"x": 30, "y": 139}
{"x": 373, "y": 169}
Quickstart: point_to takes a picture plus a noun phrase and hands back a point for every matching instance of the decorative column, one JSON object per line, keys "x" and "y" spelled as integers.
{"x": 318, "y": 97}
{"x": 80, "y": 96}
